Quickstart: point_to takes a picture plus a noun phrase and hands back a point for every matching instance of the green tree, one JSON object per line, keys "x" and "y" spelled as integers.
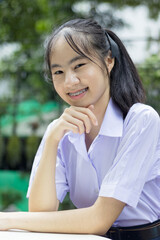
{"x": 13, "y": 152}
{"x": 150, "y": 74}
{"x": 8, "y": 197}
{"x": 32, "y": 144}
{"x": 27, "y": 23}
{"x": 1, "y": 150}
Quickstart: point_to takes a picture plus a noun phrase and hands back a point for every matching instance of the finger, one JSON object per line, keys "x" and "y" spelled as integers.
{"x": 71, "y": 127}
{"x": 88, "y": 112}
{"x": 82, "y": 117}
{"x": 91, "y": 107}
{"x": 74, "y": 121}
{"x": 67, "y": 126}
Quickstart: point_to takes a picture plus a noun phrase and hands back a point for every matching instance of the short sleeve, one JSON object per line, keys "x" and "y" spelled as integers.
{"x": 135, "y": 156}
{"x": 61, "y": 182}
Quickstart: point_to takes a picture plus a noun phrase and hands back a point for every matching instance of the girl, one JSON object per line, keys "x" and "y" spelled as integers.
{"x": 104, "y": 149}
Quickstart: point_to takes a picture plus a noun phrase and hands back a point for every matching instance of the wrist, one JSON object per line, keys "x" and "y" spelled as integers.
{"x": 7, "y": 220}
{"x": 52, "y": 141}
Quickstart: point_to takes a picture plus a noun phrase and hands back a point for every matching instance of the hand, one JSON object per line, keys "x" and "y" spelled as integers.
{"x": 75, "y": 119}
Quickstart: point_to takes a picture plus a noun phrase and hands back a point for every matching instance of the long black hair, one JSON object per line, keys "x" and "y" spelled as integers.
{"x": 88, "y": 38}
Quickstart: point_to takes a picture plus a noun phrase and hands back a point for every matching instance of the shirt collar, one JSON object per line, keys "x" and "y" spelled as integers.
{"x": 112, "y": 124}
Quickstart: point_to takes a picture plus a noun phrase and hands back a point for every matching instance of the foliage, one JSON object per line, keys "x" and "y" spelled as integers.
{"x": 152, "y": 5}
{"x": 13, "y": 150}
{"x": 27, "y": 23}
{"x": 66, "y": 204}
{"x": 9, "y": 196}
{"x": 3, "y": 106}
{"x": 1, "y": 150}
{"x": 24, "y": 68}
{"x": 150, "y": 74}
{"x": 32, "y": 144}
{"x": 16, "y": 184}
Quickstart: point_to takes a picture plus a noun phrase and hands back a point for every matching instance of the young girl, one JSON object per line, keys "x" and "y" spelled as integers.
{"x": 105, "y": 147}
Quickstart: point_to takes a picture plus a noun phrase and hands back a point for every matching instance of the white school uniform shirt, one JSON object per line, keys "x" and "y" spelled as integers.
{"x": 123, "y": 162}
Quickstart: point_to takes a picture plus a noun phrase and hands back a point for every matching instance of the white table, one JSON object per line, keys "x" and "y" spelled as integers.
{"x": 24, "y": 235}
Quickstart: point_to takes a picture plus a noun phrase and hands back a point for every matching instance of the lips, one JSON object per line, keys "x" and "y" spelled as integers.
{"x": 77, "y": 93}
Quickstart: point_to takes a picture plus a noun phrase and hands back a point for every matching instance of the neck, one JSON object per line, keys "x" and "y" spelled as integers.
{"x": 100, "y": 109}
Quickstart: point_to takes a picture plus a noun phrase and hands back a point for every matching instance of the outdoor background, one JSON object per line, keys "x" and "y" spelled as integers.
{"x": 28, "y": 104}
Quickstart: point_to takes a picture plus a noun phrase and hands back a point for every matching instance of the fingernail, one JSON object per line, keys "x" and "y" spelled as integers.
{"x": 91, "y": 106}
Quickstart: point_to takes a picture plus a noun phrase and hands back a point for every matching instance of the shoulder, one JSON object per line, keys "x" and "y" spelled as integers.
{"x": 142, "y": 118}
{"x": 142, "y": 112}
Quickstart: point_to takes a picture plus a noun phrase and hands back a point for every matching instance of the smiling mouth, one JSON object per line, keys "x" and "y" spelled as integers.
{"x": 78, "y": 93}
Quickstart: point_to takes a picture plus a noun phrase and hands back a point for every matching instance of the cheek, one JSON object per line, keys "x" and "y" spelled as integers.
{"x": 57, "y": 88}
{"x": 91, "y": 72}
{"x": 60, "y": 91}
{"x": 88, "y": 75}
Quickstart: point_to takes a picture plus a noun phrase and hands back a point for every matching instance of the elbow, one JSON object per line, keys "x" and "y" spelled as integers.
{"x": 99, "y": 223}
{"x": 100, "y": 229}
{"x": 106, "y": 211}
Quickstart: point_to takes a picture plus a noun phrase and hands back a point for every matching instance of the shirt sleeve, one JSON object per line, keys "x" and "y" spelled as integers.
{"x": 60, "y": 179}
{"x": 135, "y": 156}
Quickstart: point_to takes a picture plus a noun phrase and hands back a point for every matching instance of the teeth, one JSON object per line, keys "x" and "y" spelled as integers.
{"x": 78, "y": 93}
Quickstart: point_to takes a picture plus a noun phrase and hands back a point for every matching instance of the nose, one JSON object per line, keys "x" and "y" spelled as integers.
{"x": 71, "y": 79}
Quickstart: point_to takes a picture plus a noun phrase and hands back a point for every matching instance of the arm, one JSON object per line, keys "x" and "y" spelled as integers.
{"x": 96, "y": 219}
{"x": 43, "y": 191}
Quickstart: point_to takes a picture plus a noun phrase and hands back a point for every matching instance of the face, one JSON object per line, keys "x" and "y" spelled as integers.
{"x": 78, "y": 80}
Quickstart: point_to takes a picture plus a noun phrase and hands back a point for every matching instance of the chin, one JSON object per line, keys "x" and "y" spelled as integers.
{"x": 78, "y": 104}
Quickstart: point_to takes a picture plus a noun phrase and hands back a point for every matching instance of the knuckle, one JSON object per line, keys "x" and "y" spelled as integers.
{"x": 86, "y": 117}
{"x": 66, "y": 110}
{"x": 76, "y": 128}
{"x": 63, "y": 116}
{"x": 88, "y": 110}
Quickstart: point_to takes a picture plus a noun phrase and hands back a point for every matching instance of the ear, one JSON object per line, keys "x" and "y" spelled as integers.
{"x": 109, "y": 61}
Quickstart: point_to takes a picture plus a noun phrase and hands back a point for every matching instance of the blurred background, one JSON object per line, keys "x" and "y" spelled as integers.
{"x": 28, "y": 104}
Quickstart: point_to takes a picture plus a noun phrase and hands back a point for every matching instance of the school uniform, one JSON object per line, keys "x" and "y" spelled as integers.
{"x": 123, "y": 162}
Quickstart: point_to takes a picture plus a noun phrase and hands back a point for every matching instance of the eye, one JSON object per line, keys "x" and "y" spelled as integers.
{"x": 79, "y": 65}
{"x": 58, "y": 72}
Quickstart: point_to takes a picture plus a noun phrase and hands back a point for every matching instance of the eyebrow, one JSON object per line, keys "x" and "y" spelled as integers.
{"x": 70, "y": 62}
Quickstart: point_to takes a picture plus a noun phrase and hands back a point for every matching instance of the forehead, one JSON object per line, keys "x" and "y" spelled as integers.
{"x": 61, "y": 50}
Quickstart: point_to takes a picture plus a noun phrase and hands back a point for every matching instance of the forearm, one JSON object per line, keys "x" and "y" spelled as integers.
{"x": 43, "y": 191}
{"x": 96, "y": 219}
{"x": 71, "y": 221}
